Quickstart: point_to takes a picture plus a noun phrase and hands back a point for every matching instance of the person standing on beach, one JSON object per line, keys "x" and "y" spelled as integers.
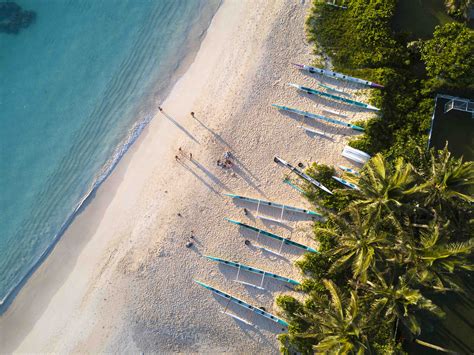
{"x": 192, "y": 114}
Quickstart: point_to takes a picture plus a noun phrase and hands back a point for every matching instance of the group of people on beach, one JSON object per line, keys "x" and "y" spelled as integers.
{"x": 226, "y": 163}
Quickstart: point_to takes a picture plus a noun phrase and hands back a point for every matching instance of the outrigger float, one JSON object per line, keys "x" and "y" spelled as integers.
{"x": 317, "y": 117}
{"x": 276, "y": 205}
{"x": 243, "y": 304}
{"x": 289, "y": 183}
{"x": 346, "y": 183}
{"x": 241, "y": 267}
{"x": 284, "y": 241}
{"x": 333, "y": 74}
{"x": 334, "y": 112}
{"x": 302, "y": 175}
{"x": 334, "y": 97}
{"x": 316, "y": 131}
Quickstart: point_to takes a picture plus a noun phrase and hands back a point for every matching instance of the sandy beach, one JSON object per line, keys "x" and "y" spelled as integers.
{"x": 121, "y": 278}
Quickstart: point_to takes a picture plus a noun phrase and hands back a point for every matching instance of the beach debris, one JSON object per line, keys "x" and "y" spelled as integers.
{"x": 189, "y": 244}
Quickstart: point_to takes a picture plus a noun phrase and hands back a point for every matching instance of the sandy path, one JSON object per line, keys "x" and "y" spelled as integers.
{"x": 121, "y": 277}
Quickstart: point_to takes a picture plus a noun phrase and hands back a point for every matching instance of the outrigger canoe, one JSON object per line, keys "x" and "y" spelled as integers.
{"x": 317, "y": 117}
{"x": 333, "y": 74}
{"x": 254, "y": 270}
{"x": 273, "y": 236}
{"x": 302, "y": 175}
{"x": 334, "y": 97}
{"x": 273, "y": 204}
{"x": 243, "y": 304}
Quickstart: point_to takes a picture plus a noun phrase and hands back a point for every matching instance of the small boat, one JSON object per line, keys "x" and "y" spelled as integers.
{"x": 254, "y": 270}
{"x": 334, "y": 97}
{"x": 332, "y": 74}
{"x": 243, "y": 304}
{"x": 346, "y": 183}
{"x": 317, "y": 117}
{"x": 301, "y": 174}
{"x": 355, "y": 155}
{"x": 273, "y": 236}
{"x": 273, "y": 204}
{"x": 349, "y": 170}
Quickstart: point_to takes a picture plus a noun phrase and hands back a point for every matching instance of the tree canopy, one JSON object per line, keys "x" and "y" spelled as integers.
{"x": 449, "y": 55}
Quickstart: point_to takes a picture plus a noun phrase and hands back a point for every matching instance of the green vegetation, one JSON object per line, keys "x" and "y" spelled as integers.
{"x": 400, "y": 239}
{"x": 388, "y": 250}
{"x": 458, "y": 9}
{"x": 449, "y": 55}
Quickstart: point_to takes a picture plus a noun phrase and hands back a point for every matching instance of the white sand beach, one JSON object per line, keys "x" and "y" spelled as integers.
{"x": 121, "y": 278}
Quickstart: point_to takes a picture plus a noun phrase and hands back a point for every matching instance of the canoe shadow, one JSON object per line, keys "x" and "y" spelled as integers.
{"x": 326, "y": 127}
{"x": 258, "y": 322}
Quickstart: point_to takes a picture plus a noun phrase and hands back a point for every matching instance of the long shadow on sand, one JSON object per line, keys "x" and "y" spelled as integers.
{"x": 180, "y": 127}
{"x": 243, "y": 169}
{"x": 211, "y": 176}
{"x": 183, "y": 164}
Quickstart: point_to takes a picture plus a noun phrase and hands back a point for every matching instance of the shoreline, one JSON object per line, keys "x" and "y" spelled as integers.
{"x": 190, "y": 48}
{"x": 120, "y": 279}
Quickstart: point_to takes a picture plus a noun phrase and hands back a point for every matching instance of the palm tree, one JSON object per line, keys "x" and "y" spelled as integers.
{"x": 434, "y": 263}
{"x": 338, "y": 326}
{"x": 448, "y": 180}
{"x": 383, "y": 187}
{"x": 398, "y": 301}
{"x": 360, "y": 243}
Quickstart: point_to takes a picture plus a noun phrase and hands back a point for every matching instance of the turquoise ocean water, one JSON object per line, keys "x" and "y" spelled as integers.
{"x": 76, "y": 89}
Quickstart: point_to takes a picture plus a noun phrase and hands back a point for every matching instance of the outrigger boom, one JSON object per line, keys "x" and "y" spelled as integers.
{"x": 332, "y": 74}
{"x": 243, "y": 267}
{"x": 317, "y": 117}
{"x": 302, "y": 175}
{"x": 276, "y": 205}
{"x": 273, "y": 236}
{"x": 243, "y": 304}
{"x": 334, "y": 97}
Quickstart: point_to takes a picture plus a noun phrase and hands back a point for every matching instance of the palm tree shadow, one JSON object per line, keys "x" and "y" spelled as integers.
{"x": 180, "y": 127}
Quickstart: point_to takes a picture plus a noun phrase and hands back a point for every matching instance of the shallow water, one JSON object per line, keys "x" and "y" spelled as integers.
{"x": 76, "y": 89}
